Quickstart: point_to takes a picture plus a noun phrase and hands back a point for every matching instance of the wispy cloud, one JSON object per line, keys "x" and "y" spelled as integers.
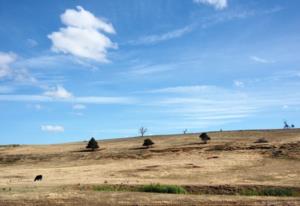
{"x": 31, "y": 43}
{"x": 149, "y": 69}
{"x": 218, "y": 4}
{"x": 200, "y": 106}
{"x": 184, "y": 89}
{"x": 239, "y": 83}
{"x": 52, "y": 128}
{"x": 83, "y": 35}
{"x": 79, "y": 106}
{"x": 260, "y": 60}
{"x": 204, "y": 23}
{"x": 156, "y": 38}
{"x": 6, "y": 89}
{"x": 73, "y": 99}
{"x": 6, "y": 59}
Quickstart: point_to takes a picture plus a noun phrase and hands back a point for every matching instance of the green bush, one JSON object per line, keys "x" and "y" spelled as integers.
{"x": 157, "y": 188}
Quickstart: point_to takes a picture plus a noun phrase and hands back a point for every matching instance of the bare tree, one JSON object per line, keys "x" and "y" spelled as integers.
{"x": 143, "y": 130}
{"x": 185, "y": 131}
{"x": 286, "y": 126}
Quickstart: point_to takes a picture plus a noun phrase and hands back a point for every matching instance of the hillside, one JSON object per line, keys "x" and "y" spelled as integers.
{"x": 230, "y": 161}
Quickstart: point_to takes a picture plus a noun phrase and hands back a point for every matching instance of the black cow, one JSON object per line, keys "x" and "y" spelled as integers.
{"x": 38, "y": 178}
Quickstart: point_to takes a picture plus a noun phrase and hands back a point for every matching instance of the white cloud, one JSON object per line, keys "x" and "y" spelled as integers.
{"x": 218, "y": 4}
{"x": 58, "y": 92}
{"x": 6, "y": 59}
{"x": 52, "y": 128}
{"x": 83, "y": 35}
{"x": 152, "y": 39}
{"x": 239, "y": 83}
{"x": 260, "y": 60}
{"x": 79, "y": 107}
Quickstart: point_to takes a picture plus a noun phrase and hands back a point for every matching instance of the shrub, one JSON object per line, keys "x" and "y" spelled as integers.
{"x": 204, "y": 137}
{"x": 92, "y": 144}
{"x": 261, "y": 140}
{"x": 148, "y": 142}
{"x": 157, "y": 188}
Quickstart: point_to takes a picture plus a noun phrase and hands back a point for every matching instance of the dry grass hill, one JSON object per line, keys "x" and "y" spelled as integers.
{"x": 230, "y": 170}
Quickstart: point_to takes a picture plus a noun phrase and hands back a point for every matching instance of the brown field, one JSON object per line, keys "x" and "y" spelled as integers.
{"x": 212, "y": 173}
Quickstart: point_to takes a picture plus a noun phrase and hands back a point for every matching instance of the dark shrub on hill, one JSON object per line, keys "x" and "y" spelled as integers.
{"x": 148, "y": 142}
{"x": 261, "y": 140}
{"x": 92, "y": 144}
{"x": 204, "y": 137}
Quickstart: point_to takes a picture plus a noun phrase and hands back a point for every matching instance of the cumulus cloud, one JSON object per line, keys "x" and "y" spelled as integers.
{"x": 58, "y": 92}
{"x": 52, "y": 128}
{"x": 83, "y": 35}
{"x": 6, "y": 59}
{"x": 218, "y": 4}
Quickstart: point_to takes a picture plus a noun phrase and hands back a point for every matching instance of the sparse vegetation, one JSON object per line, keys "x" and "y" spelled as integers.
{"x": 110, "y": 188}
{"x": 204, "y": 137}
{"x": 157, "y": 188}
{"x": 148, "y": 143}
{"x": 92, "y": 144}
{"x": 10, "y": 145}
{"x": 269, "y": 192}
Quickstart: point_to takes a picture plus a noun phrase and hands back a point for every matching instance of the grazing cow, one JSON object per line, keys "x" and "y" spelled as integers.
{"x": 38, "y": 178}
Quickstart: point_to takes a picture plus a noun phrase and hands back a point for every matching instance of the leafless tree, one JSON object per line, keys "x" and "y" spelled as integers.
{"x": 286, "y": 126}
{"x": 185, "y": 131}
{"x": 143, "y": 130}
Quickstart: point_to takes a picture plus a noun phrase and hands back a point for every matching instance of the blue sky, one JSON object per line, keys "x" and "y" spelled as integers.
{"x": 70, "y": 70}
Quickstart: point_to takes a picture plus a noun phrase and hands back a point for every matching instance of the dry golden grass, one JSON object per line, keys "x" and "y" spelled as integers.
{"x": 231, "y": 158}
